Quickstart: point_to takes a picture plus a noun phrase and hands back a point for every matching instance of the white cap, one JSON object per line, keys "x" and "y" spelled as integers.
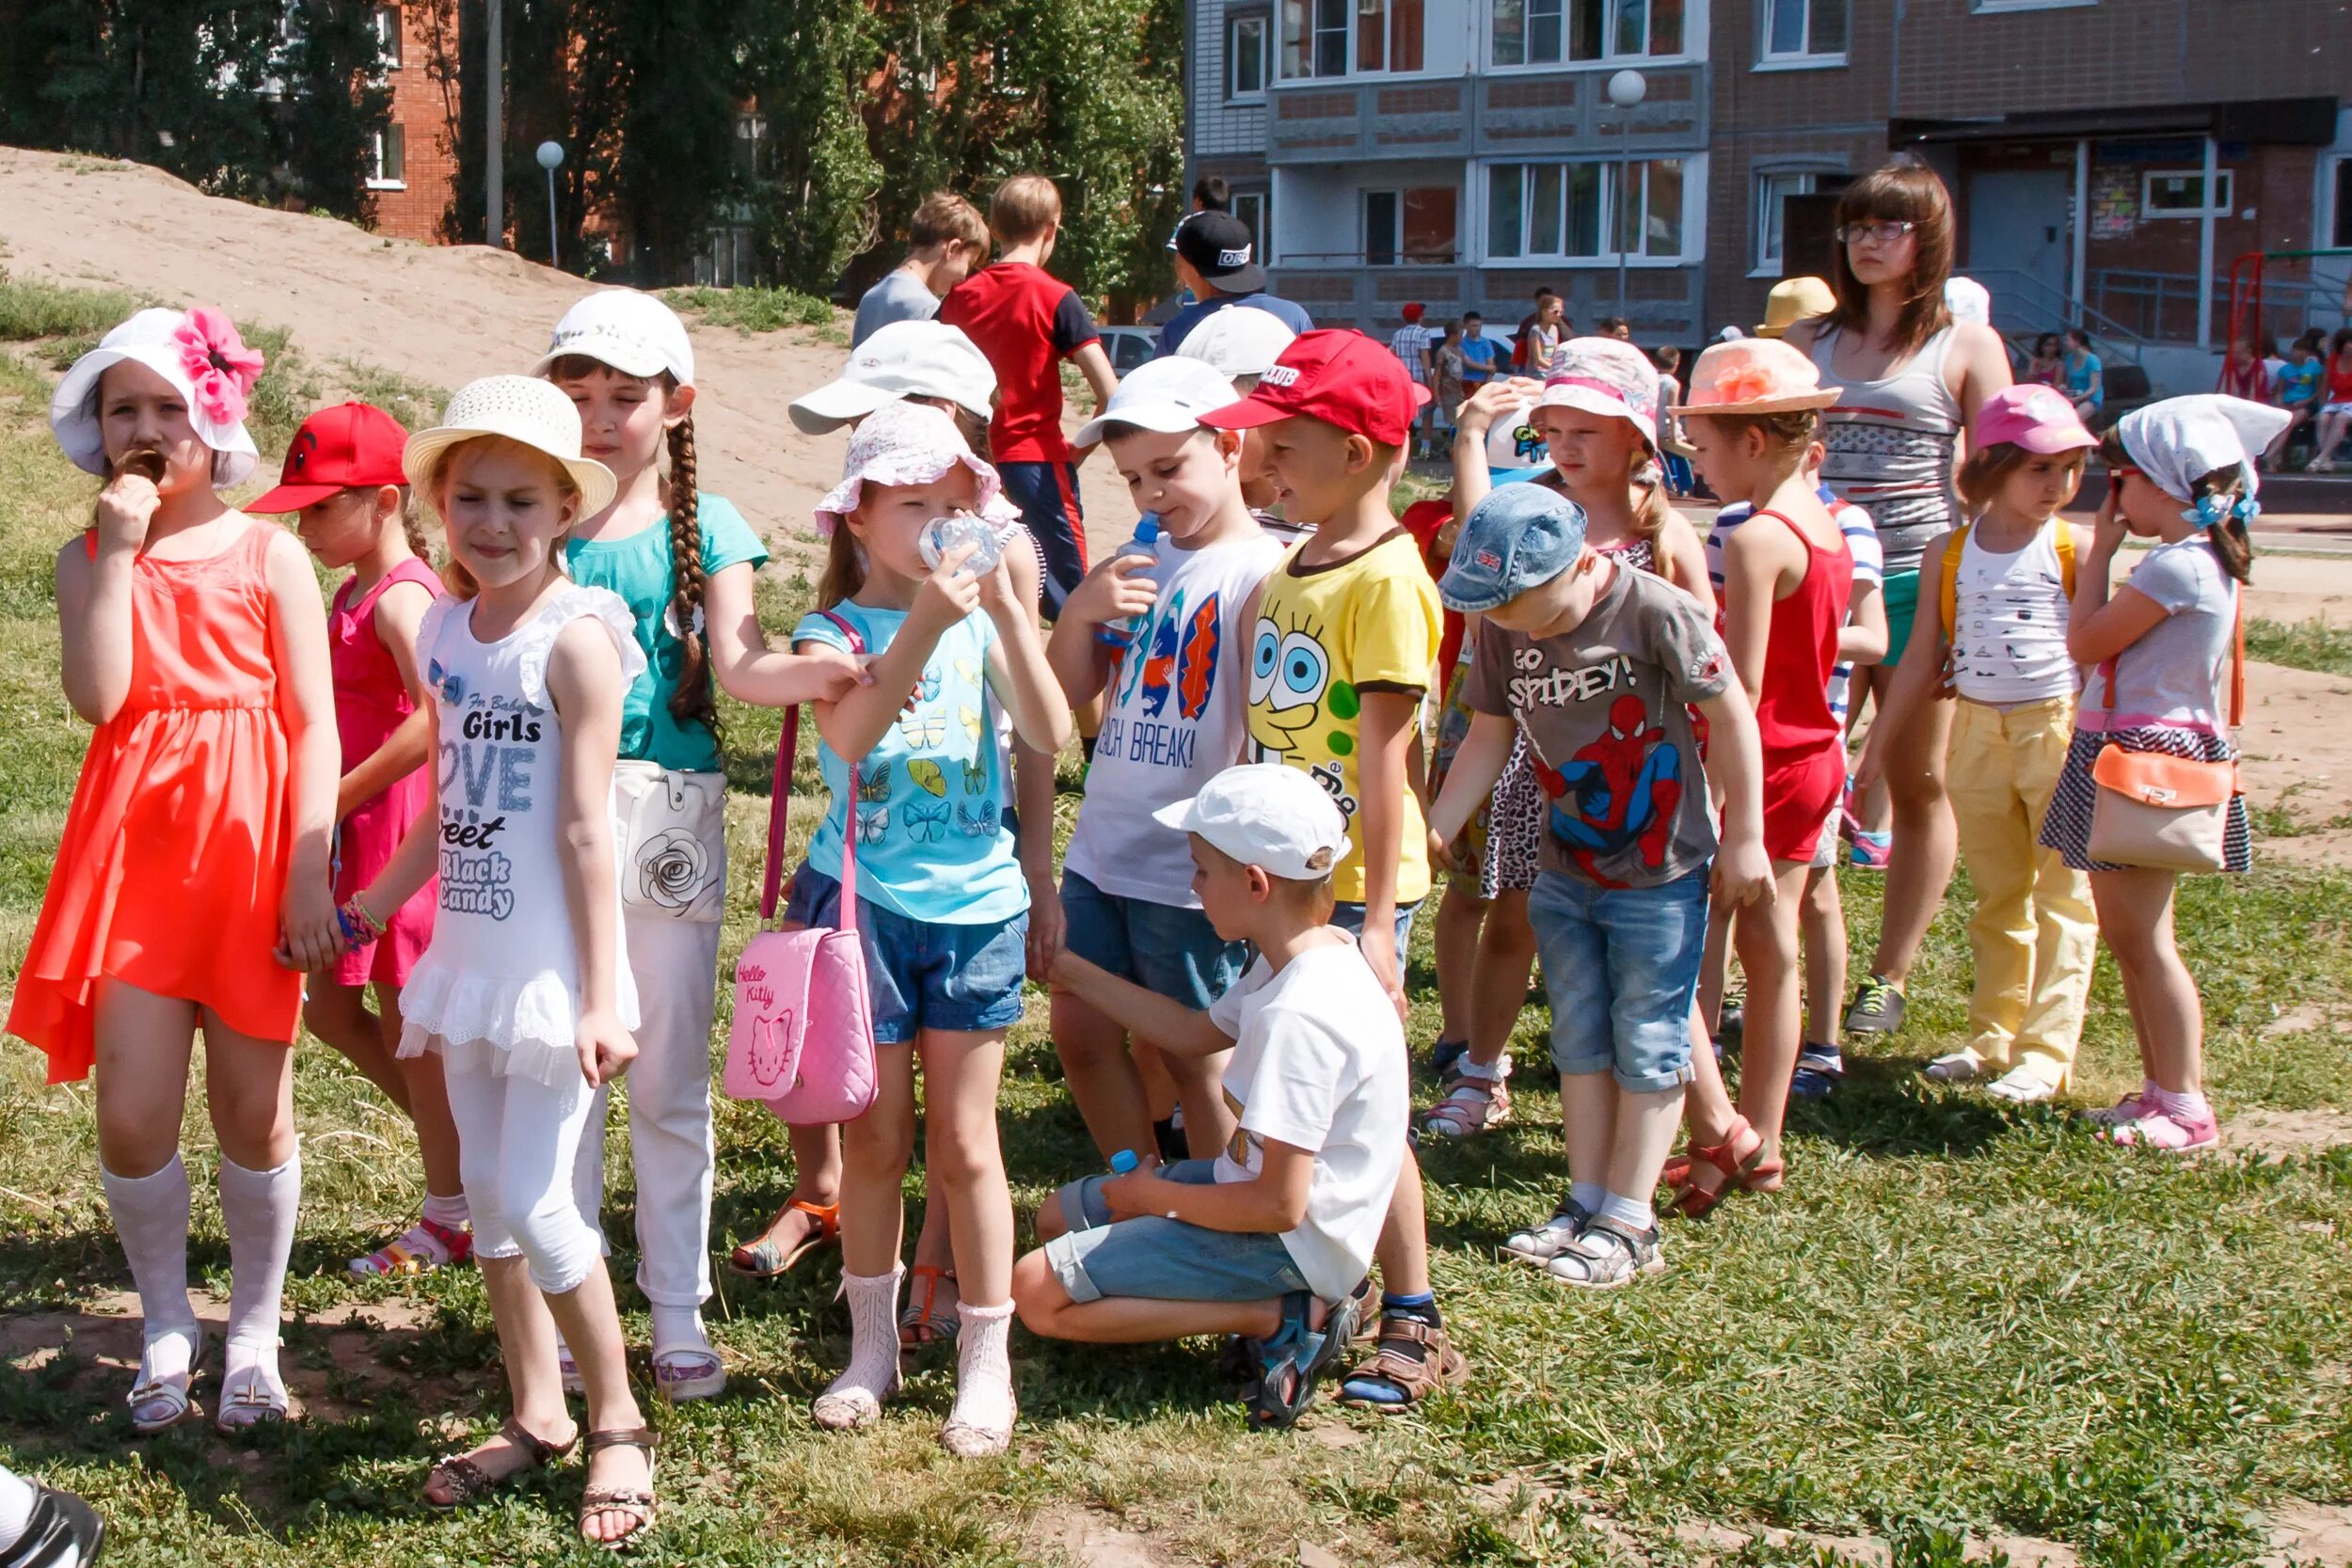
{"x": 521, "y": 408}
{"x": 904, "y": 360}
{"x": 634, "y": 333}
{"x": 1266, "y": 814}
{"x": 1167, "y": 395}
{"x": 1968, "y": 300}
{"x": 1238, "y": 341}
{"x": 164, "y": 342}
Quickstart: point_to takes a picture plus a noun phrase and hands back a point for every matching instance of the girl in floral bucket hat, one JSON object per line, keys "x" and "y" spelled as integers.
{"x": 193, "y": 867}
{"x": 1597, "y": 415}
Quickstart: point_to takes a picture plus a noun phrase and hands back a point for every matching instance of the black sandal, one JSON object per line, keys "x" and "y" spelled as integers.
{"x": 637, "y": 1504}
{"x": 469, "y": 1482}
{"x": 62, "y": 1530}
{"x": 1290, "y": 1364}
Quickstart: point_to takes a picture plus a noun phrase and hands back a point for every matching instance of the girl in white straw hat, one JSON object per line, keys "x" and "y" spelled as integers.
{"x": 526, "y": 991}
{"x": 197, "y": 841}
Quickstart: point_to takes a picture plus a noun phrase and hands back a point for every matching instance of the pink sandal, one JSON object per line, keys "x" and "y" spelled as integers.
{"x": 1475, "y": 1106}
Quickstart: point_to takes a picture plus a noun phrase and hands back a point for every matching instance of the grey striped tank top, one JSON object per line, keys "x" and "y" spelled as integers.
{"x": 1891, "y": 445}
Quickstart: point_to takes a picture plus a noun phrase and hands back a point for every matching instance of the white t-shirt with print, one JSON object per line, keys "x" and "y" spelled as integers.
{"x": 1175, "y": 713}
{"x": 1319, "y": 1064}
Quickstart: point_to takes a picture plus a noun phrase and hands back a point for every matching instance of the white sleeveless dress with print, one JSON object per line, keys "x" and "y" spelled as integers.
{"x": 499, "y": 986}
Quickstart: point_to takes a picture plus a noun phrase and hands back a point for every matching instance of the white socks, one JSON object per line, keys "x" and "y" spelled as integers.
{"x": 150, "y": 1218}
{"x": 259, "y": 1208}
{"x": 450, "y": 1213}
{"x": 1632, "y": 1212}
{"x": 981, "y": 1421}
{"x": 1589, "y": 1196}
{"x": 17, "y": 1498}
{"x": 855, "y": 1397}
{"x": 678, "y": 1327}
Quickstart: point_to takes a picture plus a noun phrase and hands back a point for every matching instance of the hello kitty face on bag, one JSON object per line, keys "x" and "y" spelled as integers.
{"x": 770, "y": 1043}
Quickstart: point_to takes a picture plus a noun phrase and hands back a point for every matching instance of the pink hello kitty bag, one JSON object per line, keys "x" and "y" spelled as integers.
{"x": 802, "y": 1041}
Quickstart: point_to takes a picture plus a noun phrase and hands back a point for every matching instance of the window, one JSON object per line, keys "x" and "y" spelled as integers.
{"x": 1560, "y": 211}
{"x": 1416, "y": 227}
{"x": 755, "y": 148}
{"x": 388, "y": 37}
{"x": 1773, "y": 191}
{"x": 389, "y": 169}
{"x": 1249, "y": 207}
{"x": 1985, "y": 5}
{"x": 2179, "y": 192}
{"x": 1810, "y": 31}
{"x": 1331, "y": 38}
{"x": 1245, "y": 56}
{"x": 1557, "y": 32}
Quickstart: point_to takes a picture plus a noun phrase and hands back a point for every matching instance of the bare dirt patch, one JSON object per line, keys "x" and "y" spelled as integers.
{"x": 1091, "y": 1539}
{"x": 2296, "y": 743}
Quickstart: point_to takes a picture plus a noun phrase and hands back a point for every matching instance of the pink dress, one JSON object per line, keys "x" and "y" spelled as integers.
{"x": 371, "y": 703}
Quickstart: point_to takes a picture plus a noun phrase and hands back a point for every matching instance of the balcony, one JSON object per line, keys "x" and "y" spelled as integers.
{"x": 1346, "y": 122}
{"x": 1519, "y": 113}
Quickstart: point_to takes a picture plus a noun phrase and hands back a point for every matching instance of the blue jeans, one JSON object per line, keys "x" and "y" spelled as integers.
{"x": 1621, "y": 967}
{"x": 1171, "y": 951}
{"x": 1350, "y": 918}
{"x": 921, "y": 974}
{"x": 1164, "y": 1259}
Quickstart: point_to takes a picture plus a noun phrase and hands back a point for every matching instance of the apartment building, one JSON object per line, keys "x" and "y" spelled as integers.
{"x": 413, "y": 174}
{"x": 1461, "y": 152}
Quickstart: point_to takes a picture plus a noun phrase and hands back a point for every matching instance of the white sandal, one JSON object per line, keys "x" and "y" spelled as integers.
{"x": 251, "y": 1391}
{"x": 160, "y": 1403}
{"x": 1963, "y": 1066}
{"x": 689, "y": 1369}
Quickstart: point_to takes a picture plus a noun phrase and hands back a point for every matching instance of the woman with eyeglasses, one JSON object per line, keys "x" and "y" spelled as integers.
{"x": 1912, "y": 379}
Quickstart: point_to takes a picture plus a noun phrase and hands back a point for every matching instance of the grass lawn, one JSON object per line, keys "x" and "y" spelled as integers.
{"x": 1956, "y": 1321}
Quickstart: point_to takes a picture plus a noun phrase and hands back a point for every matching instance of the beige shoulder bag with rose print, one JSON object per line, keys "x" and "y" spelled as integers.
{"x": 673, "y": 844}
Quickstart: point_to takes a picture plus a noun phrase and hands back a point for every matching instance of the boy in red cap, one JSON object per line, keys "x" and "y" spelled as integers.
{"x": 1346, "y": 634}
{"x": 345, "y": 484}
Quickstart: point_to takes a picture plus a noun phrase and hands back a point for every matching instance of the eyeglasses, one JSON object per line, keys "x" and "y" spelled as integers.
{"x": 1886, "y": 231}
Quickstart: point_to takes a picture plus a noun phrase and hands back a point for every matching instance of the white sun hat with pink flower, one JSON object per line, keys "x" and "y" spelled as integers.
{"x": 199, "y": 353}
{"x": 1756, "y": 376}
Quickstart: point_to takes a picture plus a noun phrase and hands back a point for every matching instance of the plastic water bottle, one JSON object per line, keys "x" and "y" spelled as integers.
{"x": 1124, "y": 1161}
{"x": 1146, "y": 543}
{"x": 943, "y": 536}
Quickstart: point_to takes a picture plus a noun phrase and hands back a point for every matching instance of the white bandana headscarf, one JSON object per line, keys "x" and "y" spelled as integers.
{"x": 2180, "y": 440}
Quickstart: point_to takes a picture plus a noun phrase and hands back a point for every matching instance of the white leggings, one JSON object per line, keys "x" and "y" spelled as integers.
{"x": 517, "y": 1140}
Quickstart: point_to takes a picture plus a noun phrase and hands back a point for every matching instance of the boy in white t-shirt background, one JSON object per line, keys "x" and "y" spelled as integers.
{"x": 1271, "y": 1239}
{"x": 1160, "y": 634}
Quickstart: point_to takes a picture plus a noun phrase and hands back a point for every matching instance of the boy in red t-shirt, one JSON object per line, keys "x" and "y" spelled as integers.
{"x": 1028, "y": 322}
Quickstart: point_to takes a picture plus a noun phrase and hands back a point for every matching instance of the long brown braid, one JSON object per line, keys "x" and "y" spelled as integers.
{"x": 694, "y": 702}
{"x": 412, "y": 524}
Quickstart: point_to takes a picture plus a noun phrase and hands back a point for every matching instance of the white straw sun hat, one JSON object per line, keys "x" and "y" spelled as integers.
{"x": 521, "y": 408}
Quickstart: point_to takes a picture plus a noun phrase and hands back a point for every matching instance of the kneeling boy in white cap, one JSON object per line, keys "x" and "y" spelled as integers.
{"x": 1270, "y": 1240}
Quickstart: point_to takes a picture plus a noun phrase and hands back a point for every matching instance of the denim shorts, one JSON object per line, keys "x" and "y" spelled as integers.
{"x": 1621, "y": 967}
{"x": 1350, "y": 918}
{"x": 1163, "y": 1259}
{"x": 1171, "y": 951}
{"x": 924, "y": 974}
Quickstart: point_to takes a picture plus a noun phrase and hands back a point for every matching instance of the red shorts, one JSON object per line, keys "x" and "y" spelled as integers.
{"x": 1798, "y": 790}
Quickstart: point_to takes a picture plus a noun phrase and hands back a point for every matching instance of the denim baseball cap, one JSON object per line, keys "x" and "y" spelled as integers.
{"x": 1520, "y": 537}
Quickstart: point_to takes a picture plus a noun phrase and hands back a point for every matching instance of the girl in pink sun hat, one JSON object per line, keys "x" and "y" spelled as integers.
{"x": 1753, "y": 410}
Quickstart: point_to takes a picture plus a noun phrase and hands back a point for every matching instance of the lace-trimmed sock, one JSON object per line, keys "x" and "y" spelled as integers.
{"x": 451, "y": 1213}
{"x": 855, "y": 1397}
{"x": 981, "y": 1421}
{"x": 150, "y": 1218}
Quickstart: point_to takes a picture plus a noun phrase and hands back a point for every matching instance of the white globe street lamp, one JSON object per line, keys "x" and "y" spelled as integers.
{"x": 552, "y": 158}
{"x": 1626, "y": 90}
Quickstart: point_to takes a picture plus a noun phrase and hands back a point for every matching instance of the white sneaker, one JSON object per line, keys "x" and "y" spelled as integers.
{"x": 2021, "y": 1086}
{"x": 1961, "y": 1067}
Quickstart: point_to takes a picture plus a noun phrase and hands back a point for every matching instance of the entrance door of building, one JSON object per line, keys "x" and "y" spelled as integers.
{"x": 2017, "y": 220}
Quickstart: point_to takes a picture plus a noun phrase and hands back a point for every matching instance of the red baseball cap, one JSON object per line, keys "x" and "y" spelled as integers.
{"x": 1343, "y": 378}
{"x": 350, "y": 446}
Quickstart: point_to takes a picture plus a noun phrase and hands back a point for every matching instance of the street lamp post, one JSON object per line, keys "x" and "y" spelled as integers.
{"x": 550, "y": 159}
{"x": 1626, "y": 88}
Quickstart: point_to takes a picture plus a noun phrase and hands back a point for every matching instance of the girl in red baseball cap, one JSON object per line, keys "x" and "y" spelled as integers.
{"x": 349, "y": 499}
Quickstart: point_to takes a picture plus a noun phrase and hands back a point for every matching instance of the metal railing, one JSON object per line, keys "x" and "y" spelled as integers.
{"x": 2023, "y": 303}
{"x": 1364, "y": 259}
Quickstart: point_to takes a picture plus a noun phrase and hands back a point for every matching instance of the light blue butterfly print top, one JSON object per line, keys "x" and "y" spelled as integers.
{"x": 929, "y": 813}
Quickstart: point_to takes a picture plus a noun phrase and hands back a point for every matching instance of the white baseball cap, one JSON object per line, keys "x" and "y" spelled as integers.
{"x": 1266, "y": 814}
{"x": 634, "y": 333}
{"x": 1238, "y": 341}
{"x": 1167, "y": 395}
{"x": 904, "y": 360}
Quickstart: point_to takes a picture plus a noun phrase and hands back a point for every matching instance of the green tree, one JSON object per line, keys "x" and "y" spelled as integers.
{"x": 807, "y": 182}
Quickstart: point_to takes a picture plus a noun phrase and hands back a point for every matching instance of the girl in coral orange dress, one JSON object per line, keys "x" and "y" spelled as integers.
{"x": 196, "y": 852}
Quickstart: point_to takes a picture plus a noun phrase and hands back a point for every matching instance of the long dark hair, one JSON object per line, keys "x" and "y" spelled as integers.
{"x": 1904, "y": 191}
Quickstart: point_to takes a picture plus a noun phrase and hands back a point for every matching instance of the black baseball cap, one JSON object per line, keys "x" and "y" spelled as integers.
{"x": 1219, "y": 247}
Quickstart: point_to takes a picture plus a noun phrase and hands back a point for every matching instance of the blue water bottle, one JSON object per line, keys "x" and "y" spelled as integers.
{"x": 1124, "y": 1161}
{"x": 1123, "y": 631}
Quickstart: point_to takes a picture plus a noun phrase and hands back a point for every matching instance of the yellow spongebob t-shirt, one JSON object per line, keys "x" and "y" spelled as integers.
{"x": 1326, "y": 635}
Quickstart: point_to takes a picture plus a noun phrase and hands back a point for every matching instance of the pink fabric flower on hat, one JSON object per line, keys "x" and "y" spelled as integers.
{"x": 221, "y": 370}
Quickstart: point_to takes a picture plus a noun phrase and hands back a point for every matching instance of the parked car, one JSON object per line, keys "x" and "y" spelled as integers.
{"x": 1128, "y": 346}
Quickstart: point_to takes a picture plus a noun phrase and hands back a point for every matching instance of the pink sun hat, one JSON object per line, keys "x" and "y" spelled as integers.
{"x": 910, "y": 443}
{"x": 1607, "y": 376}
{"x": 2034, "y": 417}
{"x": 1756, "y": 376}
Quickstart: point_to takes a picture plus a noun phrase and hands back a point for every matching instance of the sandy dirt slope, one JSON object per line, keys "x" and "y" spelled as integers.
{"x": 436, "y": 314}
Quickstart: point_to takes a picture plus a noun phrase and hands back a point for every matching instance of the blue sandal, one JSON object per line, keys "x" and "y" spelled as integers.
{"x": 1290, "y": 1364}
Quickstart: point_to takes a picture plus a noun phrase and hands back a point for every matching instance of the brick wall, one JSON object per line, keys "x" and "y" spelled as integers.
{"x": 418, "y": 108}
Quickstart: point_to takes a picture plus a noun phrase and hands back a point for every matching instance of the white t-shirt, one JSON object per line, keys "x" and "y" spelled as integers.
{"x": 1319, "y": 1064}
{"x": 1175, "y": 713}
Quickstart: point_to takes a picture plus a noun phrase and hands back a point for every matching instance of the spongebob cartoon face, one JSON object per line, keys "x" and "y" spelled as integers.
{"x": 1292, "y": 691}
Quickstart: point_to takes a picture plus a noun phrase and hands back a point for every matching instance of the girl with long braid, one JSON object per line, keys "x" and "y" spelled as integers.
{"x": 683, "y": 561}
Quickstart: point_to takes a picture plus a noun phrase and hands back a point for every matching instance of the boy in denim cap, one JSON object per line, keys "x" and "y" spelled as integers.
{"x": 1269, "y": 1240}
{"x": 1597, "y": 664}
{"x": 1347, "y": 632}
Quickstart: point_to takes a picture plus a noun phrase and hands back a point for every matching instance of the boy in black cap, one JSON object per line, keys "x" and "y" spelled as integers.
{"x": 1216, "y": 260}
